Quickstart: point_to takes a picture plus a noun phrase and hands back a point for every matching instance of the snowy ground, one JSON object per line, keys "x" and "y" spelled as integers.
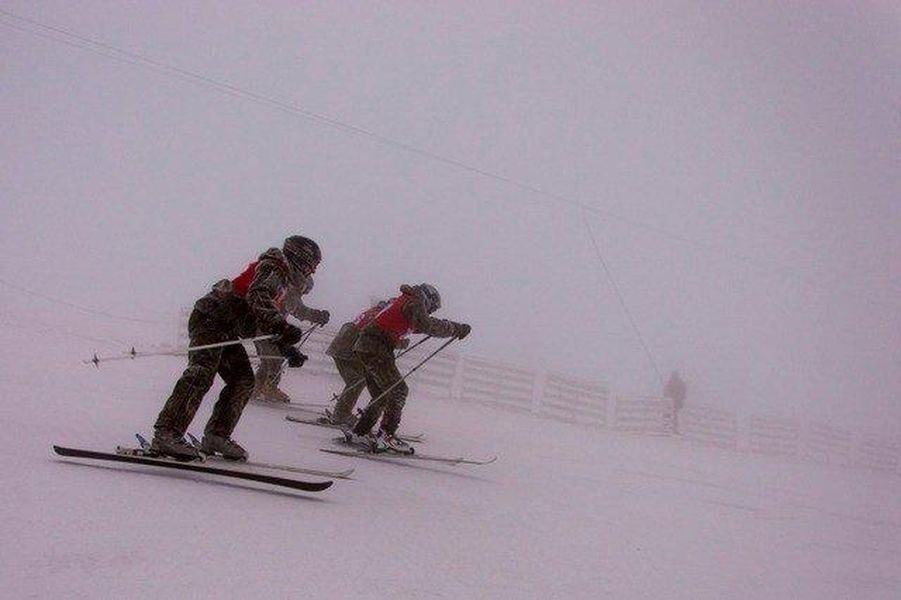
{"x": 567, "y": 512}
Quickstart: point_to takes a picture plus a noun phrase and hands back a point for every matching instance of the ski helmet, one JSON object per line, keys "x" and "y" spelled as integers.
{"x": 430, "y": 296}
{"x": 302, "y": 253}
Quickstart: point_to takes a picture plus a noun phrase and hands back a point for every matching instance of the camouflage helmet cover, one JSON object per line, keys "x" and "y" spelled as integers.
{"x": 302, "y": 253}
{"x": 430, "y": 296}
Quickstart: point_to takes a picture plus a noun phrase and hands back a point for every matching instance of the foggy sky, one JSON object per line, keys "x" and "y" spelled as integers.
{"x": 737, "y": 165}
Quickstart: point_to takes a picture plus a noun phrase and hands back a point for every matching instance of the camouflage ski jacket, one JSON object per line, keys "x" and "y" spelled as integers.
{"x": 377, "y": 340}
{"x": 257, "y": 307}
{"x": 342, "y": 345}
{"x": 268, "y": 291}
{"x": 294, "y": 304}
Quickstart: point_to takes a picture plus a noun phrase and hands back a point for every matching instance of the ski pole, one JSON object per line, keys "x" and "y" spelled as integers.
{"x": 132, "y": 354}
{"x": 411, "y": 371}
{"x": 307, "y": 335}
{"x": 413, "y": 346}
{"x": 231, "y": 342}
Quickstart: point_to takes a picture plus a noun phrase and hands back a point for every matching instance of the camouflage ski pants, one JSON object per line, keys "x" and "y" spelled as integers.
{"x": 230, "y": 362}
{"x": 381, "y": 375}
{"x": 269, "y": 373}
{"x": 353, "y": 372}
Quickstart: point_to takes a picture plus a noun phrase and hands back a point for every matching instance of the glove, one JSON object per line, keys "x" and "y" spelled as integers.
{"x": 295, "y": 357}
{"x": 461, "y": 330}
{"x": 290, "y": 335}
{"x": 320, "y": 317}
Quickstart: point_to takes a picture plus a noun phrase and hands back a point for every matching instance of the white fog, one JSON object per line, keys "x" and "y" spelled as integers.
{"x": 609, "y": 191}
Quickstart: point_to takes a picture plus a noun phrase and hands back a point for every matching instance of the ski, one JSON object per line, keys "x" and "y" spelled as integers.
{"x": 407, "y": 437}
{"x": 144, "y": 450}
{"x": 388, "y": 455}
{"x": 311, "y": 407}
{"x": 193, "y": 466}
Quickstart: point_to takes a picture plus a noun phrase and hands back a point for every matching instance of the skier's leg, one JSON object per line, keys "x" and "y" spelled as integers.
{"x": 353, "y": 372}
{"x": 235, "y": 370}
{"x": 381, "y": 375}
{"x": 197, "y": 378}
{"x": 269, "y": 371}
{"x": 276, "y": 377}
{"x": 394, "y": 408}
{"x": 370, "y": 415}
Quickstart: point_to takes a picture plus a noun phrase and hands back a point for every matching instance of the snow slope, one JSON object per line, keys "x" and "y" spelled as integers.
{"x": 567, "y": 512}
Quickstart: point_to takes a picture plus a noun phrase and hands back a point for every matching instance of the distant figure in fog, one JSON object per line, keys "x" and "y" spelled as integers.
{"x": 675, "y": 390}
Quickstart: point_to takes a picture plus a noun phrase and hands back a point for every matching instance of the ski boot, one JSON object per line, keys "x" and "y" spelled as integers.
{"x": 168, "y": 443}
{"x": 227, "y": 448}
{"x": 332, "y": 418}
{"x": 276, "y": 395}
{"x": 269, "y": 393}
{"x": 390, "y": 442}
{"x": 367, "y": 441}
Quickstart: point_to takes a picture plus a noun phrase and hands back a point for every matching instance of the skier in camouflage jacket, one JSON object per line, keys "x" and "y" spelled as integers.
{"x": 408, "y": 313}
{"x": 350, "y": 368}
{"x": 233, "y": 309}
{"x": 269, "y": 373}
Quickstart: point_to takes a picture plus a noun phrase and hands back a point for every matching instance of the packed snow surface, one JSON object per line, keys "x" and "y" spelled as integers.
{"x": 566, "y": 511}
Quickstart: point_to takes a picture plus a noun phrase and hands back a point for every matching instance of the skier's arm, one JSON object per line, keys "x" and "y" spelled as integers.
{"x": 424, "y": 323}
{"x": 265, "y": 288}
{"x": 295, "y": 306}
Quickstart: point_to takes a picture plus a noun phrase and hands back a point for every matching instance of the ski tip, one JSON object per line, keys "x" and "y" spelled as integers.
{"x": 62, "y": 451}
{"x": 311, "y": 486}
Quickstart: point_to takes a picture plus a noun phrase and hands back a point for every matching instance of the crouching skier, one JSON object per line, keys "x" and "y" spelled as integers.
{"x": 408, "y": 313}
{"x": 350, "y": 367}
{"x": 269, "y": 373}
{"x": 232, "y": 310}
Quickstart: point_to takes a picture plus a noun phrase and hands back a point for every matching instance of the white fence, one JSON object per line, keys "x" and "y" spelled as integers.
{"x": 643, "y": 416}
{"x": 571, "y": 401}
{"x": 773, "y": 435}
{"x": 829, "y": 445}
{"x": 879, "y": 455}
{"x": 558, "y": 397}
{"x": 710, "y": 426}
